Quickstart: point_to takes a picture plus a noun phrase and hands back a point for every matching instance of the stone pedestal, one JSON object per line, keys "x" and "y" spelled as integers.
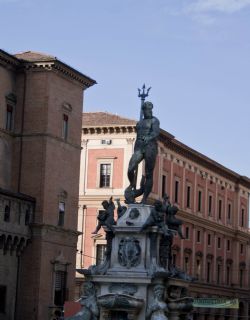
{"x": 129, "y": 284}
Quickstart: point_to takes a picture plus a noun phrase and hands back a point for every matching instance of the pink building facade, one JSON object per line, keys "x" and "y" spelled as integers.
{"x": 213, "y": 203}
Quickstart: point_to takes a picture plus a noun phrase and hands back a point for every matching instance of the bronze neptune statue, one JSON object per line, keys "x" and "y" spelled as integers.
{"x": 148, "y": 129}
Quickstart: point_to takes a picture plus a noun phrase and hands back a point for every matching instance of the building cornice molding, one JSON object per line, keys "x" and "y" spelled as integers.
{"x": 7, "y": 59}
{"x": 108, "y": 129}
{"x": 174, "y": 145}
{"x": 16, "y": 195}
{"x": 171, "y": 143}
{"x": 98, "y": 198}
{"x": 47, "y": 65}
{"x": 61, "y": 68}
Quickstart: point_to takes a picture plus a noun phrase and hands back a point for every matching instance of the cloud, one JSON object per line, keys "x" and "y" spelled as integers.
{"x": 206, "y": 11}
{"x": 222, "y": 6}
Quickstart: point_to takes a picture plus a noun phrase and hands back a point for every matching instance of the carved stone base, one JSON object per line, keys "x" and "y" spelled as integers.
{"x": 132, "y": 284}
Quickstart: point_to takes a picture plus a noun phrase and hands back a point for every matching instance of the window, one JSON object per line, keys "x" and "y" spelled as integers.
{"x": 187, "y": 232}
{"x": 7, "y": 213}
{"x": 228, "y": 245}
{"x": 3, "y": 291}
{"x": 241, "y": 248}
{"x": 174, "y": 259}
{"x": 19, "y": 213}
{"x": 209, "y": 239}
{"x": 65, "y": 126}
{"x": 229, "y": 212}
{"x": 220, "y": 209}
{"x": 218, "y": 243}
{"x": 218, "y": 273}
{"x": 228, "y": 275}
{"x": 105, "y": 174}
{"x": 210, "y": 205}
{"x": 241, "y": 277}
{"x": 9, "y": 118}
{"x": 242, "y": 217}
{"x": 61, "y": 214}
{"x": 198, "y": 268}
{"x": 100, "y": 253}
{"x": 163, "y": 185}
{"x": 188, "y": 196}
{"x": 27, "y": 216}
{"x": 60, "y": 288}
{"x": 186, "y": 264}
{"x": 208, "y": 271}
{"x": 106, "y": 141}
{"x": 199, "y": 200}
{"x": 176, "y": 191}
{"x": 198, "y": 236}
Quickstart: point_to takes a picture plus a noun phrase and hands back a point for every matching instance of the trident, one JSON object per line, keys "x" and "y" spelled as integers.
{"x": 141, "y": 94}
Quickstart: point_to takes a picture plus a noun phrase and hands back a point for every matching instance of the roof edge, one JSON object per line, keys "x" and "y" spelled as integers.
{"x": 206, "y": 161}
{"x": 9, "y": 58}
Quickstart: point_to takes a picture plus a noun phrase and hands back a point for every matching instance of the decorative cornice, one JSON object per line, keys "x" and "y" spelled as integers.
{"x": 58, "y": 66}
{"x": 171, "y": 143}
{"x": 189, "y": 153}
{"x": 16, "y": 195}
{"x": 8, "y": 59}
{"x": 48, "y": 65}
{"x": 108, "y": 129}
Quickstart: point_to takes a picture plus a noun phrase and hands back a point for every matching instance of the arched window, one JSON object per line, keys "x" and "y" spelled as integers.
{"x": 7, "y": 213}
{"x": 27, "y": 216}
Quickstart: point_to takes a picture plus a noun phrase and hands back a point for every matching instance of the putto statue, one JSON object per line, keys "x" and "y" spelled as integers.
{"x": 106, "y": 217}
{"x": 90, "y": 309}
{"x": 148, "y": 129}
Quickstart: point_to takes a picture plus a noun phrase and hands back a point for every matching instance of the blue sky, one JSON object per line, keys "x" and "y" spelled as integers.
{"x": 195, "y": 54}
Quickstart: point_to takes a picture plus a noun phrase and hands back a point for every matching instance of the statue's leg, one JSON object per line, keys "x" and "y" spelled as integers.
{"x": 133, "y": 164}
{"x": 150, "y": 157}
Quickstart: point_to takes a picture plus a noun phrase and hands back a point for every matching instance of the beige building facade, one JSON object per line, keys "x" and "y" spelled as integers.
{"x": 41, "y": 102}
{"x": 213, "y": 203}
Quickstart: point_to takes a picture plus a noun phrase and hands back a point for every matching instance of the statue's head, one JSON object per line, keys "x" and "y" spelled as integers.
{"x": 159, "y": 291}
{"x": 88, "y": 289}
{"x": 174, "y": 209}
{"x": 158, "y": 205}
{"x": 105, "y": 204}
{"x": 147, "y": 109}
